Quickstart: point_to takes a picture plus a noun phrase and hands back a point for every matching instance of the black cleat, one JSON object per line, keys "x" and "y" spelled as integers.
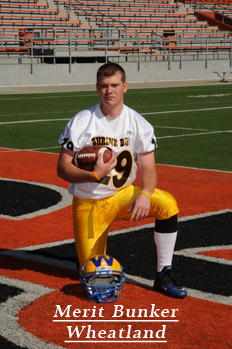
{"x": 165, "y": 283}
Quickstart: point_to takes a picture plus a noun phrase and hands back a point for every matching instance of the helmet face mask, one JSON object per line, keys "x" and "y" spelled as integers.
{"x": 102, "y": 277}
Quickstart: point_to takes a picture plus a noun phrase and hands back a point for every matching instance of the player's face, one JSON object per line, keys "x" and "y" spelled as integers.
{"x": 111, "y": 90}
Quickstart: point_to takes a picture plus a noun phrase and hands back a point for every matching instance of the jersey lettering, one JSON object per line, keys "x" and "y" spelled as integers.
{"x": 124, "y": 142}
{"x": 105, "y": 141}
{"x": 108, "y": 141}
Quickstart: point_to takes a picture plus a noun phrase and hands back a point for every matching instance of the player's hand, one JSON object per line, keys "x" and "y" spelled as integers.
{"x": 140, "y": 208}
{"x": 101, "y": 168}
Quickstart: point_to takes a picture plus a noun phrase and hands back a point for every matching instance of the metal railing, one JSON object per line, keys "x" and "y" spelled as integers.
{"x": 110, "y": 40}
{"x": 97, "y": 45}
{"x": 202, "y": 6}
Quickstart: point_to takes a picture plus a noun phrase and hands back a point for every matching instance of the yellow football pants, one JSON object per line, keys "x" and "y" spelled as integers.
{"x": 92, "y": 218}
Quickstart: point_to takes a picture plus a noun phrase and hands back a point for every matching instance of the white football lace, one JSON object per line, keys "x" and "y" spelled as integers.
{"x": 86, "y": 155}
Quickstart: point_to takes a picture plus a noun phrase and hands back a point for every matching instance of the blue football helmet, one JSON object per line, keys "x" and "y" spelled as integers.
{"x": 102, "y": 277}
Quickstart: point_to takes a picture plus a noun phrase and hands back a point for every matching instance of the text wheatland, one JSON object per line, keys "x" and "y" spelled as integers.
{"x": 96, "y": 315}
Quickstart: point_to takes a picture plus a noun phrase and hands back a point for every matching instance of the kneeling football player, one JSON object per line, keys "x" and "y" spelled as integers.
{"x": 108, "y": 193}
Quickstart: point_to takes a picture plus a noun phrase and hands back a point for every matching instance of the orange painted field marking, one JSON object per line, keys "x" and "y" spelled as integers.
{"x": 196, "y": 191}
{"x": 221, "y": 253}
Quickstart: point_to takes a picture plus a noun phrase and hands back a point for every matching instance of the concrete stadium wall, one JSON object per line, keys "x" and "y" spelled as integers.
{"x": 58, "y": 74}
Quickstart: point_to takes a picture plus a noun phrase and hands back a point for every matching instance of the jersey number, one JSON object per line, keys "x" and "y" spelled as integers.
{"x": 69, "y": 145}
{"x": 123, "y": 167}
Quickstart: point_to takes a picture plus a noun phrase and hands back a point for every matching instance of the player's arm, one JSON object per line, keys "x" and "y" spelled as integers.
{"x": 141, "y": 206}
{"x": 148, "y": 172}
{"x": 69, "y": 172}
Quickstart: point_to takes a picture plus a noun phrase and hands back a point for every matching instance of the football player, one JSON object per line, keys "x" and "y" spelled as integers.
{"x": 108, "y": 193}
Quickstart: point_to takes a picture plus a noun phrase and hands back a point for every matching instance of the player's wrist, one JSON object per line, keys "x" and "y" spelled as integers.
{"x": 147, "y": 193}
{"x": 96, "y": 177}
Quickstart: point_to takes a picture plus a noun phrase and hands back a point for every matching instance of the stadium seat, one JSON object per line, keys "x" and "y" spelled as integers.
{"x": 85, "y": 24}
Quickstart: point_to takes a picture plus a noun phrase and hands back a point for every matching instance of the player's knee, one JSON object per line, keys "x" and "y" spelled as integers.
{"x": 172, "y": 204}
{"x": 166, "y": 206}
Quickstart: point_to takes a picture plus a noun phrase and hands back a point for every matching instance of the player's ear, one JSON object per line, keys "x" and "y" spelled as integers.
{"x": 125, "y": 86}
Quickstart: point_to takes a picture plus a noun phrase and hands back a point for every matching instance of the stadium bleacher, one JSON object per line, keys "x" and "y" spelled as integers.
{"x": 122, "y": 27}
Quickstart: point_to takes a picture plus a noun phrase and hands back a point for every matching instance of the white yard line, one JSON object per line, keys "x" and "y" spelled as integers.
{"x": 195, "y": 134}
{"x": 150, "y": 113}
{"x": 185, "y": 111}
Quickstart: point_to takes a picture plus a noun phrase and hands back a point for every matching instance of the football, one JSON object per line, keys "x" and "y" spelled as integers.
{"x": 87, "y": 156}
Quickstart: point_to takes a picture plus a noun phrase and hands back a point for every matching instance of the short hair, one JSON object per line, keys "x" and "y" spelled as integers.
{"x": 110, "y": 69}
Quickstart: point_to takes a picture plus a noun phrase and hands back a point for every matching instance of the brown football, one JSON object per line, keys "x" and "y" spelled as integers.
{"x": 87, "y": 156}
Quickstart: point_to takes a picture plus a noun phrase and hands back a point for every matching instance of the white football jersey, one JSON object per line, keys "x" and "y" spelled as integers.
{"x": 133, "y": 135}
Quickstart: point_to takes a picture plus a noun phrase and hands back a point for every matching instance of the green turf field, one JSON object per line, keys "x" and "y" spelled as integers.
{"x": 192, "y": 124}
